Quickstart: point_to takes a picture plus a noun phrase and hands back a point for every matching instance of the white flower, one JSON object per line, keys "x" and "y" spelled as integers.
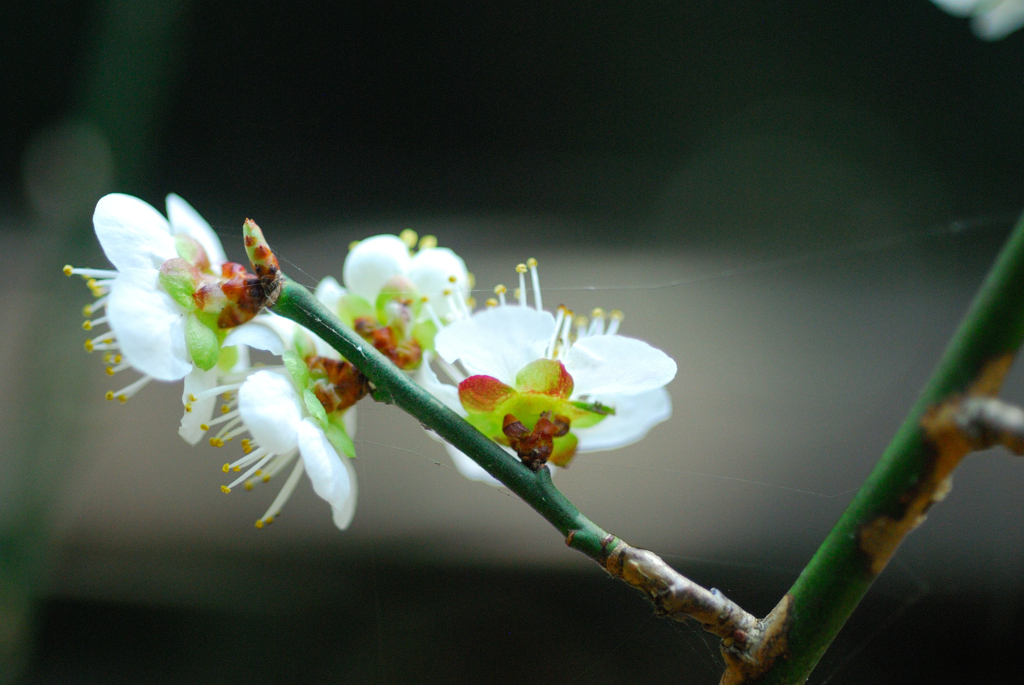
{"x": 149, "y": 329}
{"x": 591, "y": 370}
{"x": 436, "y": 272}
{"x": 282, "y": 427}
{"x": 990, "y": 19}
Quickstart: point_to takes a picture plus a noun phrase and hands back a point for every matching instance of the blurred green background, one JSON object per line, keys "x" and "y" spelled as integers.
{"x": 796, "y": 202}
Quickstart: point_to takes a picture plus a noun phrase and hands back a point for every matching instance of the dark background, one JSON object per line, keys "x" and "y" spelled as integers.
{"x": 751, "y": 130}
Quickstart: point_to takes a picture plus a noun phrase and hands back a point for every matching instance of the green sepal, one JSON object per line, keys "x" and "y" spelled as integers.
{"x": 178, "y": 278}
{"x": 352, "y": 307}
{"x": 340, "y": 439}
{"x": 424, "y": 333}
{"x": 228, "y": 358}
{"x": 545, "y": 376}
{"x": 189, "y": 249}
{"x": 563, "y": 449}
{"x": 303, "y": 342}
{"x": 595, "y": 408}
{"x": 314, "y": 407}
{"x": 202, "y": 343}
{"x": 297, "y": 369}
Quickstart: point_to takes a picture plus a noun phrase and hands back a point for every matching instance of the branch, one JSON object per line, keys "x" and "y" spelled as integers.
{"x": 953, "y": 416}
{"x": 673, "y": 595}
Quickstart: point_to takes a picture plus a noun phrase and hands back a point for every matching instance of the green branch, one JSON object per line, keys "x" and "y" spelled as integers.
{"x": 912, "y": 473}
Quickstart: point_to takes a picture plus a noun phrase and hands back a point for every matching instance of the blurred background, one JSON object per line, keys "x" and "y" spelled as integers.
{"x": 795, "y": 202}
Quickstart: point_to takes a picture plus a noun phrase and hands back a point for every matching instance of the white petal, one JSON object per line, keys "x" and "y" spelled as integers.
{"x": 428, "y": 380}
{"x": 196, "y": 382}
{"x": 349, "y": 419}
{"x": 469, "y": 468}
{"x": 184, "y": 219}
{"x": 342, "y": 515}
{"x": 271, "y": 410}
{"x": 242, "y": 363}
{"x": 149, "y": 325}
{"x": 372, "y": 262}
{"x": 497, "y": 342}
{"x": 613, "y": 364}
{"x": 132, "y": 233}
{"x": 959, "y": 8}
{"x": 329, "y": 292}
{"x": 431, "y": 271}
{"x": 261, "y": 334}
{"x": 999, "y": 21}
{"x": 635, "y": 416}
{"x": 331, "y": 479}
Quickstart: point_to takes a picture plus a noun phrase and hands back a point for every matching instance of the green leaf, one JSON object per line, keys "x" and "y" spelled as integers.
{"x": 202, "y": 343}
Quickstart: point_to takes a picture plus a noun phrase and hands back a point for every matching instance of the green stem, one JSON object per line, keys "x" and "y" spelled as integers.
{"x": 393, "y": 386}
{"x": 841, "y": 572}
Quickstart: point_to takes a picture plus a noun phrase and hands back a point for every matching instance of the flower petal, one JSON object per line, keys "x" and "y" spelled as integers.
{"x": 331, "y": 480}
{"x": 431, "y": 271}
{"x": 447, "y": 394}
{"x": 342, "y": 515}
{"x": 184, "y": 219}
{"x": 262, "y": 334}
{"x": 271, "y": 410}
{"x": 196, "y": 382}
{"x": 613, "y": 364}
{"x": 497, "y": 342}
{"x": 372, "y": 262}
{"x": 132, "y": 233}
{"x": 469, "y": 468}
{"x": 149, "y": 325}
{"x": 329, "y": 292}
{"x": 634, "y": 417}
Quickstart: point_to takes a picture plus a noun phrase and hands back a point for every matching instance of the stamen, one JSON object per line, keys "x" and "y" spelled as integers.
{"x": 111, "y": 370}
{"x": 451, "y": 370}
{"x": 409, "y": 237}
{"x": 90, "y": 309}
{"x": 88, "y": 325}
{"x": 491, "y": 303}
{"x": 352, "y": 245}
{"x": 215, "y": 391}
{"x": 549, "y": 351}
{"x": 566, "y": 330}
{"x": 581, "y": 326}
{"x": 282, "y": 497}
{"x": 128, "y": 391}
{"x": 500, "y": 291}
{"x": 613, "y": 325}
{"x": 90, "y": 273}
{"x": 471, "y": 279}
{"x": 260, "y": 456}
{"x": 521, "y": 293}
{"x": 432, "y": 314}
{"x": 471, "y": 303}
{"x": 537, "y": 302}
{"x": 596, "y": 323}
{"x": 428, "y": 242}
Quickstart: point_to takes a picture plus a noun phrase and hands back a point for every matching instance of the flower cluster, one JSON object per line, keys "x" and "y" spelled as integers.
{"x": 990, "y": 19}
{"x": 545, "y": 386}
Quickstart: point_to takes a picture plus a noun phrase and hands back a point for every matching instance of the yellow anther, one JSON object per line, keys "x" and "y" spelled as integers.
{"x": 204, "y": 427}
{"x": 452, "y": 279}
{"x": 227, "y": 396}
{"x": 107, "y": 341}
{"x": 581, "y": 321}
{"x": 226, "y": 468}
{"x": 225, "y": 489}
{"x": 92, "y": 284}
{"x": 409, "y": 237}
{"x": 87, "y": 310}
{"x": 88, "y": 346}
{"x": 109, "y": 395}
{"x": 259, "y": 472}
{"x": 117, "y": 359}
{"x": 531, "y": 262}
{"x": 491, "y": 302}
{"x": 471, "y": 303}
{"x": 447, "y": 292}
{"x": 259, "y": 523}
{"x": 237, "y": 468}
{"x": 269, "y": 520}
{"x": 248, "y": 485}
{"x": 87, "y": 325}
{"x": 500, "y": 289}
{"x": 224, "y": 409}
{"x": 617, "y": 314}
{"x": 107, "y": 356}
{"x": 266, "y": 478}
{"x": 216, "y": 442}
{"x": 520, "y": 268}
{"x": 246, "y": 445}
{"x": 428, "y": 242}
{"x": 192, "y": 398}
{"x": 188, "y": 407}
{"x": 352, "y": 245}
{"x": 122, "y": 398}
{"x": 471, "y": 279}
{"x": 110, "y": 370}
{"x": 68, "y": 270}
{"x": 597, "y": 313}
